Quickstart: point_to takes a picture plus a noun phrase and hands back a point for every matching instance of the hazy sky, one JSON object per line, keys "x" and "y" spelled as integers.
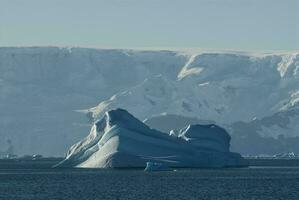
{"x": 207, "y": 24}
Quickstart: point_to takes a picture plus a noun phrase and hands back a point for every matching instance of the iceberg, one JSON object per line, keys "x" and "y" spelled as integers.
{"x": 152, "y": 167}
{"x": 119, "y": 140}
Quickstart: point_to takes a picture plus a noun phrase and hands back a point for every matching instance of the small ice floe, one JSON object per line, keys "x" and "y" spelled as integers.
{"x": 154, "y": 166}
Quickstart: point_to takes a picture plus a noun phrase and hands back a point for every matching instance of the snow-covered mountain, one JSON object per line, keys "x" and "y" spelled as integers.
{"x": 253, "y": 95}
{"x": 226, "y": 89}
{"x": 42, "y": 87}
{"x": 121, "y": 140}
{"x": 47, "y": 92}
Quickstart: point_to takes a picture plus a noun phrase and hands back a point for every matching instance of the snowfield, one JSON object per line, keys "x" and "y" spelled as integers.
{"x": 48, "y": 93}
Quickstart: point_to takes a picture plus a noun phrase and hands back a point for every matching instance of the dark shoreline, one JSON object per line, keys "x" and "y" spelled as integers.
{"x": 268, "y": 162}
{"x": 19, "y": 163}
{"x": 47, "y": 163}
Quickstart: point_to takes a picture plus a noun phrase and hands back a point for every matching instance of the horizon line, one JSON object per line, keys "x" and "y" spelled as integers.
{"x": 174, "y": 49}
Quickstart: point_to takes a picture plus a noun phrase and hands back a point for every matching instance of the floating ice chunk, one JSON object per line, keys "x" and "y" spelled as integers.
{"x": 154, "y": 166}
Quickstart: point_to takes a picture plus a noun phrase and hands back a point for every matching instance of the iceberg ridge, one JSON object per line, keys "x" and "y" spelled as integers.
{"x": 120, "y": 140}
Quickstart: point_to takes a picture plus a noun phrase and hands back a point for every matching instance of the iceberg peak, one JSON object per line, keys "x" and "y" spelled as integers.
{"x": 208, "y": 136}
{"x": 207, "y": 131}
{"x": 122, "y": 118}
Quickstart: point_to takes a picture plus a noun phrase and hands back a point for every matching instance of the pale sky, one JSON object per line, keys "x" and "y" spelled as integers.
{"x": 207, "y": 24}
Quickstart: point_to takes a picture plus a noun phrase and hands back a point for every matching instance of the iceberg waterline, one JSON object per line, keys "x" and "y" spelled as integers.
{"x": 119, "y": 140}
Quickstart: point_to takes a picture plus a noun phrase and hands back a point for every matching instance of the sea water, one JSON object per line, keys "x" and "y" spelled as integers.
{"x": 80, "y": 184}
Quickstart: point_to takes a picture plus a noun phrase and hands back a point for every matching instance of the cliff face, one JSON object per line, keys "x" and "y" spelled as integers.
{"x": 120, "y": 140}
{"x": 207, "y": 136}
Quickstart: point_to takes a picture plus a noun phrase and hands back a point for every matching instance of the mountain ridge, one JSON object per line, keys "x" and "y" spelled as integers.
{"x": 42, "y": 88}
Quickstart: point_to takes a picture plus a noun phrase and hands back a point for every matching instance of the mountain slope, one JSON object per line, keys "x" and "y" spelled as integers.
{"x": 45, "y": 90}
{"x": 42, "y": 87}
{"x": 229, "y": 88}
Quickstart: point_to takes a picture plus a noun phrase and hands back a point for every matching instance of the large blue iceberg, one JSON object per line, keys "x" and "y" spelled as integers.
{"x": 119, "y": 140}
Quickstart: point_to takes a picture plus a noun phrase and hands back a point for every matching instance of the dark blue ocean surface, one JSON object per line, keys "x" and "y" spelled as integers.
{"x": 76, "y": 184}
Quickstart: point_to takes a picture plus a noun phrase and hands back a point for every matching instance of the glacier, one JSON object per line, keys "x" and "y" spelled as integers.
{"x": 52, "y": 92}
{"x": 119, "y": 140}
